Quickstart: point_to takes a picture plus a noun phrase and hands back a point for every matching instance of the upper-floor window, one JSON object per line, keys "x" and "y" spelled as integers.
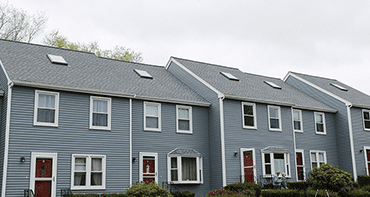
{"x": 184, "y": 119}
{"x": 317, "y": 158}
{"x": 274, "y": 118}
{"x": 100, "y": 113}
{"x": 297, "y": 120}
{"x": 46, "y": 108}
{"x": 152, "y": 116}
{"x": 249, "y": 115}
{"x": 88, "y": 171}
{"x": 366, "y": 117}
{"x": 320, "y": 126}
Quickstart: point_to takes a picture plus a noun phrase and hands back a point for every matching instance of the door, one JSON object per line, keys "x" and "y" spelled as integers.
{"x": 248, "y": 165}
{"x": 43, "y": 174}
{"x": 148, "y": 167}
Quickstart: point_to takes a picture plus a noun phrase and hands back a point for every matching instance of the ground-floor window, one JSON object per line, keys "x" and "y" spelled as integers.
{"x": 317, "y": 158}
{"x": 275, "y": 159}
{"x": 88, "y": 171}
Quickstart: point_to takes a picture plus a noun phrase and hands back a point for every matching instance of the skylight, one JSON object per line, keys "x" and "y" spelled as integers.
{"x": 339, "y": 87}
{"x": 229, "y": 76}
{"x": 143, "y": 74}
{"x": 56, "y": 59}
{"x": 272, "y": 84}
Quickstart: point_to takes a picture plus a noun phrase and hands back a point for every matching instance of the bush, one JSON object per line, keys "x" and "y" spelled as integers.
{"x": 221, "y": 192}
{"x": 321, "y": 193}
{"x": 280, "y": 193}
{"x": 359, "y": 193}
{"x": 183, "y": 194}
{"x": 85, "y": 195}
{"x": 147, "y": 190}
{"x": 331, "y": 178}
{"x": 363, "y": 180}
{"x": 245, "y": 188}
{"x": 113, "y": 195}
{"x": 298, "y": 185}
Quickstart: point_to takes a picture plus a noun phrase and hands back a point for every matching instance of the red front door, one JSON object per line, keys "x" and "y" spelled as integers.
{"x": 248, "y": 166}
{"x": 43, "y": 177}
{"x": 148, "y": 169}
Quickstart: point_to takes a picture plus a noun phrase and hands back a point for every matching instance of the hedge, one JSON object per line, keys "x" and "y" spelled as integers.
{"x": 363, "y": 180}
{"x": 245, "y": 188}
{"x": 183, "y": 194}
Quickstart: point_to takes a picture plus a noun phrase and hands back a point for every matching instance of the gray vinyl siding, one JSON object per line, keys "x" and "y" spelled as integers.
{"x": 167, "y": 140}
{"x": 214, "y": 121}
{"x": 72, "y": 136}
{"x": 3, "y": 111}
{"x": 341, "y": 121}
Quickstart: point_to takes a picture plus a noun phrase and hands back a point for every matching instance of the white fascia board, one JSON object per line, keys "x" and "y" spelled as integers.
{"x": 259, "y": 100}
{"x": 315, "y": 109}
{"x": 219, "y": 94}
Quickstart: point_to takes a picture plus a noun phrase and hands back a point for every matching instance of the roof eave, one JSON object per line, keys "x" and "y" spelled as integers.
{"x": 259, "y": 100}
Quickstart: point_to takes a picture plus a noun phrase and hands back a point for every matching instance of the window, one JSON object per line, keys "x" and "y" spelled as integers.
{"x": 88, "y": 171}
{"x": 274, "y": 118}
{"x": 100, "y": 113}
{"x": 300, "y": 165}
{"x": 320, "y": 123}
{"x": 249, "y": 115}
{"x": 275, "y": 159}
{"x": 46, "y": 108}
{"x": 184, "y": 119}
{"x": 229, "y": 76}
{"x": 272, "y": 84}
{"x": 143, "y": 74}
{"x": 367, "y": 159}
{"x": 297, "y": 120}
{"x": 317, "y": 158}
{"x": 56, "y": 59}
{"x": 148, "y": 167}
{"x": 339, "y": 87}
{"x": 366, "y": 117}
{"x": 185, "y": 166}
{"x": 152, "y": 116}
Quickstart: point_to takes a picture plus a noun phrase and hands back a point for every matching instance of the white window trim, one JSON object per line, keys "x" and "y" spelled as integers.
{"x": 88, "y": 172}
{"x": 199, "y": 164}
{"x": 363, "y": 119}
{"x": 56, "y": 115}
{"x": 159, "y": 117}
{"x": 279, "y": 112}
{"x": 300, "y": 122}
{"x": 254, "y": 115}
{"x": 242, "y": 163}
{"x": 303, "y": 164}
{"x": 286, "y": 160}
{"x": 34, "y": 156}
{"x": 365, "y": 156}
{"x": 317, "y": 157}
{"x": 190, "y": 131}
{"x": 109, "y": 103}
{"x": 324, "y": 123}
{"x": 141, "y": 156}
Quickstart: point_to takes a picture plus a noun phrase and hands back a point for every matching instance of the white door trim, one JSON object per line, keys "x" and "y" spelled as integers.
{"x": 53, "y": 156}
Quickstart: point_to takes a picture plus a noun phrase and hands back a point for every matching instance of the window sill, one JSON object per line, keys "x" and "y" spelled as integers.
{"x": 88, "y": 188}
{"x": 152, "y": 130}
{"x": 269, "y": 176}
{"x": 275, "y": 129}
{"x": 45, "y": 124}
{"x": 184, "y": 132}
{"x": 367, "y": 129}
{"x": 100, "y": 128}
{"x": 320, "y": 133}
{"x": 185, "y": 182}
{"x": 298, "y": 131}
{"x": 245, "y": 127}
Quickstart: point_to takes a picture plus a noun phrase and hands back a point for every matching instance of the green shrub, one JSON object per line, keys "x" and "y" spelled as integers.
{"x": 280, "y": 193}
{"x": 245, "y": 188}
{"x": 363, "y": 180}
{"x": 113, "y": 195}
{"x": 85, "y": 195}
{"x": 298, "y": 185}
{"x": 147, "y": 190}
{"x": 221, "y": 192}
{"x": 183, "y": 194}
{"x": 331, "y": 178}
{"x": 321, "y": 193}
{"x": 359, "y": 193}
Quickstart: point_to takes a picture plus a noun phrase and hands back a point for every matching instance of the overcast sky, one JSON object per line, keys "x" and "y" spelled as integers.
{"x": 323, "y": 38}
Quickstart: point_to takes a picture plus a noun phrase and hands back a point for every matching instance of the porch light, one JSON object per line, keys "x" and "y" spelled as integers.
{"x": 235, "y": 153}
{"x": 23, "y": 159}
{"x": 133, "y": 159}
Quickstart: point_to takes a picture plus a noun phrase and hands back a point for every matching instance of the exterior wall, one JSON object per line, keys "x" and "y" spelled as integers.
{"x": 341, "y": 121}
{"x": 3, "y": 111}
{"x": 72, "y": 136}
{"x": 167, "y": 140}
{"x": 214, "y": 122}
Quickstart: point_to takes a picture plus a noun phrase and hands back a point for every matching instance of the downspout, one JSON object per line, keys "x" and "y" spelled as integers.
{"x": 7, "y": 129}
{"x": 222, "y": 127}
{"x": 294, "y": 145}
{"x": 130, "y": 142}
{"x": 351, "y": 141}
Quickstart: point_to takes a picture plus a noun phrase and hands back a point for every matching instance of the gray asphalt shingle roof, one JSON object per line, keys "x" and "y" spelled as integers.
{"x": 252, "y": 87}
{"x": 356, "y": 97}
{"x": 29, "y": 63}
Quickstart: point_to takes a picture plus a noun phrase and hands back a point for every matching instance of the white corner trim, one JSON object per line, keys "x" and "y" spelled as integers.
{"x": 222, "y": 128}
{"x": 219, "y": 94}
{"x": 351, "y": 142}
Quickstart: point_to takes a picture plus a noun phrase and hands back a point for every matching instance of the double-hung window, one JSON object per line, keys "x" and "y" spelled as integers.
{"x": 88, "y": 171}
{"x": 46, "y": 108}
{"x": 185, "y": 167}
{"x": 274, "y": 118}
{"x": 100, "y": 113}
{"x": 275, "y": 159}
{"x": 249, "y": 115}
{"x": 367, "y": 159}
{"x": 366, "y": 117}
{"x": 320, "y": 127}
{"x": 317, "y": 158}
{"x": 152, "y": 116}
{"x": 300, "y": 165}
{"x": 297, "y": 120}
{"x": 184, "y": 119}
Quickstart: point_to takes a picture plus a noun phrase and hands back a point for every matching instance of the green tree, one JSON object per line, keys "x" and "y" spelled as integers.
{"x": 119, "y": 53}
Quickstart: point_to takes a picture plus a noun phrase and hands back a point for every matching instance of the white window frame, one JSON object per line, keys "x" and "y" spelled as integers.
{"x": 366, "y": 162}
{"x": 254, "y": 115}
{"x": 363, "y": 119}
{"x": 269, "y": 118}
{"x": 159, "y": 116}
{"x": 88, "y": 172}
{"x": 56, "y": 115}
{"x": 300, "y": 121}
{"x": 190, "y": 131}
{"x": 317, "y": 157}
{"x": 323, "y": 120}
{"x": 141, "y": 157}
{"x": 109, "y": 103}
{"x": 199, "y": 164}
{"x": 273, "y": 171}
{"x": 302, "y": 166}
{"x": 242, "y": 163}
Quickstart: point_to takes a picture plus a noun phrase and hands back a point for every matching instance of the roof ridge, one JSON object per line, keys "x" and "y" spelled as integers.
{"x": 106, "y": 58}
{"x": 258, "y": 75}
{"x": 312, "y": 76}
{"x": 205, "y": 63}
